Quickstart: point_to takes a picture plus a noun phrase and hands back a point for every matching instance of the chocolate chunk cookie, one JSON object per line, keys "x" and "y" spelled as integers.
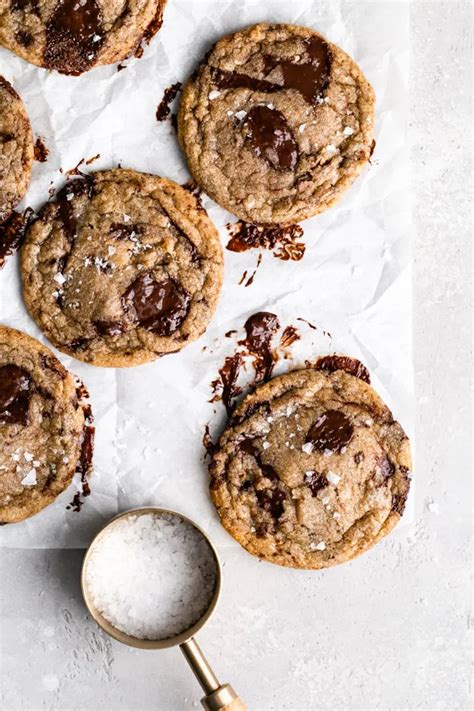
{"x": 16, "y": 149}
{"x": 276, "y": 123}
{"x": 312, "y": 470}
{"x": 42, "y": 427}
{"x": 123, "y": 267}
{"x": 72, "y": 36}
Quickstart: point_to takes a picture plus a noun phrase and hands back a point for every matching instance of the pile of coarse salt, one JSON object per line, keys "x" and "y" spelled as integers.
{"x": 152, "y": 576}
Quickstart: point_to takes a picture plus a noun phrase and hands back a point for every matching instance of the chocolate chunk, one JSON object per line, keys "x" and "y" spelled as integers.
{"x": 260, "y": 407}
{"x": 246, "y": 485}
{"x": 160, "y": 307}
{"x": 121, "y": 231}
{"x": 84, "y": 465}
{"x": 260, "y": 329}
{"x": 196, "y": 192}
{"x": 54, "y": 365}
{"x": 268, "y": 471}
{"x": 77, "y": 344}
{"x": 399, "y": 502}
{"x": 332, "y": 431}
{"x": 109, "y": 328}
{"x": 24, "y": 38}
{"x": 87, "y": 445}
{"x": 246, "y": 445}
{"x": 271, "y": 500}
{"x": 359, "y": 457}
{"x": 169, "y": 95}
{"x": 350, "y": 365}
{"x": 23, "y": 5}
{"x": 310, "y": 78}
{"x": 155, "y": 24}
{"x": 387, "y": 468}
{"x": 74, "y": 36}
{"x": 315, "y": 482}
{"x": 224, "y": 79}
{"x": 270, "y": 137}
{"x": 65, "y": 211}
{"x": 15, "y": 393}
{"x": 12, "y": 233}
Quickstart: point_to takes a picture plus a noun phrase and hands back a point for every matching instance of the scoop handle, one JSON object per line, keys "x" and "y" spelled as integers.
{"x": 219, "y": 697}
{"x": 223, "y": 699}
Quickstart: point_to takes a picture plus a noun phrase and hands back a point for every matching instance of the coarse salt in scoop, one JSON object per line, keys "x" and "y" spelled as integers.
{"x": 152, "y": 576}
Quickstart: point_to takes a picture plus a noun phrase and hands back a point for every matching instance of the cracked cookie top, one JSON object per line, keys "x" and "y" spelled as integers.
{"x": 121, "y": 268}
{"x": 276, "y": 123}
{"x": 72, "y": 36}
{"x": 16, "y": 149}
{"x": 42, "y": 427}
{"x": 312, "y": 470}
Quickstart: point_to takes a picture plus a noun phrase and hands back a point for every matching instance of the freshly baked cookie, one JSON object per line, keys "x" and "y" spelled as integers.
{"x": 276, "y": 123}
{"x": 123, "y": 267}
{"x": 16, "y": 149}
{"x": 72, "y": 36}
{"x": 42, "y": 427}
{"x": 312, "y": 470}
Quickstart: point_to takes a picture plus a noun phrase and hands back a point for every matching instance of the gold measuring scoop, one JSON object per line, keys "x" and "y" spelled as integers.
{"x": 218, "y": 697}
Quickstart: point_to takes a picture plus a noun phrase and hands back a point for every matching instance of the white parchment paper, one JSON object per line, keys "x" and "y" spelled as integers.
{"x": 354, "y": 282}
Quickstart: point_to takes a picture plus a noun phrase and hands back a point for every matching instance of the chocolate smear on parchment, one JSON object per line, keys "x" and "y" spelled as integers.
{"x": 40, "y": 151}
{"x": 282, "y": 240}
{"x": 169, "y": 95}
{"x": 261, "y": 329}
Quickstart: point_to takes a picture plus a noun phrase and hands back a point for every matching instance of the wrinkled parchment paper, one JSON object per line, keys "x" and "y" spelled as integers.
{"x": 353, "y": 282}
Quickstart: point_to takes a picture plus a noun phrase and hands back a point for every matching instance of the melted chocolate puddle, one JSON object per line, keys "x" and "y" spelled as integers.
{"x": 12, "y": 233}
{"x": 282, "y": 240}
{"x": 84, "y": 465}
{"x": 160, "y": 307}
{"x": 40, "y": 151}
{"x": 74, "y": 36}
{"x": 310, "y": 77}
{"x": 268, "y": 133}
{"x": 109, "y": 328}
{"x": 15, "y": 393}
{"x": 169, "y": 95}
{"x": 332, "y": 431}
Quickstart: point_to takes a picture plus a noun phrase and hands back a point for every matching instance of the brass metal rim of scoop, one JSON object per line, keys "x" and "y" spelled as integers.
{"x": 218, "y": 696}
